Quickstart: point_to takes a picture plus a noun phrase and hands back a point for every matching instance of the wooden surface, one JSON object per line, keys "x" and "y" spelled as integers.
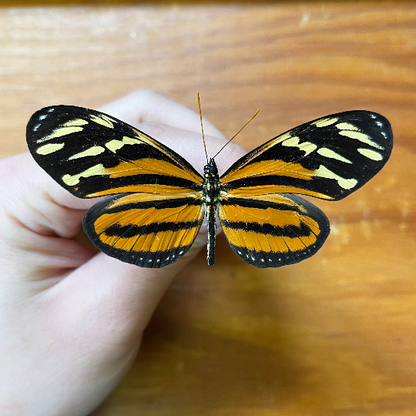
{"x": 333, "y": 335}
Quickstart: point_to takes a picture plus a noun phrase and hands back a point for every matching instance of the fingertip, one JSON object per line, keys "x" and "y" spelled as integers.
{"x": 36, "y": 201}
{"x": 145, "y": 105}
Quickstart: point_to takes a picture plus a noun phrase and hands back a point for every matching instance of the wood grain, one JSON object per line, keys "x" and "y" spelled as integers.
{"x": 334, "y": 335}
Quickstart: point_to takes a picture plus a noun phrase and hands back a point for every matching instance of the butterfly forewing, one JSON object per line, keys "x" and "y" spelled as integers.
{"x": 93, "y": 154}
{"x": 327, "y": 158}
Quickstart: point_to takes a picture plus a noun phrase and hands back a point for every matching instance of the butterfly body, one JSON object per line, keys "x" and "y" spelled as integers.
{"x": 211, "y": 197}
{"x": 156, "y": 201}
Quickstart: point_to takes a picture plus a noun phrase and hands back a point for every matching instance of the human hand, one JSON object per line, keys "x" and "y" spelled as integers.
{"x": 71, "y": 321}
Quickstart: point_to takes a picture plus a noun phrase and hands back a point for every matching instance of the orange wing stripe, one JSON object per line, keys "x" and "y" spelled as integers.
{"x": 145, "y": 217}
{"x": 154, "y": 189}
{"x": 249, "y": 191}
{"x": 147, "y": 197}
{"x": 270, "y": 168}
{"x": 260, "y": 216}
{"x": 261, "y": 242}
{"x": 162, "y": 241}
{"x": 151, "y": 167}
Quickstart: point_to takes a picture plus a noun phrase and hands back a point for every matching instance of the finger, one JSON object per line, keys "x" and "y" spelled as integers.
{"x": 125, "y": 295}
{"x": 145, "y": 105}
{"x": 153, "y": 113}
{"x": 29, "y": 201}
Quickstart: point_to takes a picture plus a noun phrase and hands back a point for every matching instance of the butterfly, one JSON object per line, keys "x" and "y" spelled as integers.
{"x": 156, "y": 201}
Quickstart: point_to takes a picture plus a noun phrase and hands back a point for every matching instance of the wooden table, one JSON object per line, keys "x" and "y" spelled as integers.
{"x": 333, "y": 335}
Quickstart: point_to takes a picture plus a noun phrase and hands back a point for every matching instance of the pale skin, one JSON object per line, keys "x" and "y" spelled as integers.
{"x": 71, "y": 321}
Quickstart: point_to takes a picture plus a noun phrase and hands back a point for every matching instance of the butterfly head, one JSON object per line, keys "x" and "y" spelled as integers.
{"x": 211, "y": 169}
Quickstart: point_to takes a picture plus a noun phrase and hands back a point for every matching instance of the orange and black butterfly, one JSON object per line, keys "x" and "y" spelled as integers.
{"x": 157, "y": 201}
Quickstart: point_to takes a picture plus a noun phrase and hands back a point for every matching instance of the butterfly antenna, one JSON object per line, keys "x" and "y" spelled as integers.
{"x": 202, "y": 126}
{"x": 239, "y": 131}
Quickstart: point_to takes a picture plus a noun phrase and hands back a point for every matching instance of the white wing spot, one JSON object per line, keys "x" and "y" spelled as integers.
{"x": 347, "y": 126}
{"x": 324, "y": 122}
{"x": 370, "y": 154}
{"x": 330, "y": 154}
{"x": 324, "y": 172}
{"x": 306, "y": 147}
{"x": 47, "y": 149}
{"x": 114, "y": 145}
{"x": 363, "y": 138}
{"x": 96, "y": 170}
{"x": 92, "y": 151}
{"x": 103, "y": 120}
{"x": 59, "y": 132}
{"x": 75, "y": 122}
{"x": 283, "y": 137}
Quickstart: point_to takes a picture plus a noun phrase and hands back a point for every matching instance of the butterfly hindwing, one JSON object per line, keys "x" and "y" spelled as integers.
{"x": 145, "y": 229}
{"x": 327, "y": 158}
{"x": 93, "y": 154}
{"x": 273, "y": 230}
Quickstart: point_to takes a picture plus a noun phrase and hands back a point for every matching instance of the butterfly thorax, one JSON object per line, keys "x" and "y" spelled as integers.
{"x": 211, "y": 185}
{"x": 210, "y": 197}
